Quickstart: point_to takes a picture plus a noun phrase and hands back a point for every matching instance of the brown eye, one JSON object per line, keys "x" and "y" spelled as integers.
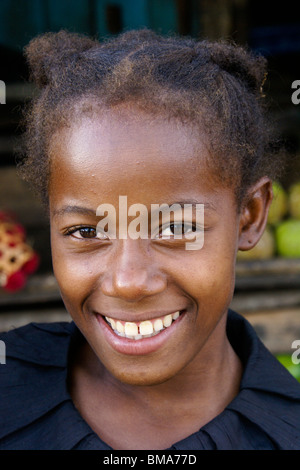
{"x": 87, "y": 232}
{"x": 177, "y": 228}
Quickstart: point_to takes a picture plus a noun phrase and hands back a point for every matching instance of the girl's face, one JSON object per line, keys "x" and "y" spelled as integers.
{"x": 150, "y": 161}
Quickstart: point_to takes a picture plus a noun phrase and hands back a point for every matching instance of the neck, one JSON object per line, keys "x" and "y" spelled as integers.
{"x": 209, "y": 384}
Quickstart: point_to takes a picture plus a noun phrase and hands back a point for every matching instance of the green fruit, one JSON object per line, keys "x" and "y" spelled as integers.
{"x": 286, "y": 361}
{"x": 294, "y": 200}
{"x": 264, "y": 249}
{"x": 279, "y": 205}
{"x": 288, "y": 238}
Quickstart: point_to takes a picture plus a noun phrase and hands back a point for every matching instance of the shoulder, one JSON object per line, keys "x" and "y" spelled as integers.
{"x": 33, "y": 342}
{"x": 262, "y": 371}
{"x": 36, "y": 346}
{"x": 33, "y": 375}
{"x": 269, "y": 396}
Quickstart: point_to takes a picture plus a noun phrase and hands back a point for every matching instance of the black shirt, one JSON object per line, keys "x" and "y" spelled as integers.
{"x": 37, "y": 412}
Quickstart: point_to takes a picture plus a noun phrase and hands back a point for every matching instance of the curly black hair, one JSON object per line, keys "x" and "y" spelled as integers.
{"x": 214, "y": 86}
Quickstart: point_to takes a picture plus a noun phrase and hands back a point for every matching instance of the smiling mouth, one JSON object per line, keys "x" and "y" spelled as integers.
{"x": 143, "y": 329}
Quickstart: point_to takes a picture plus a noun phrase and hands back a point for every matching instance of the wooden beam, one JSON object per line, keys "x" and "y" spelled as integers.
{"x": 277, "y": 328}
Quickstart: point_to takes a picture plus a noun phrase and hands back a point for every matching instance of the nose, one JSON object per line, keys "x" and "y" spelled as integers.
{"x": 133, "y": 275}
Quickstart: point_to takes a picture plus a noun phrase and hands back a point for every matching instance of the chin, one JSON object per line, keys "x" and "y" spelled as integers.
{"x": 141, "y": 379}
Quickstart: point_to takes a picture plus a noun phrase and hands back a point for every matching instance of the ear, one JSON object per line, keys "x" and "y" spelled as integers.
{"x": 254, "y": 213}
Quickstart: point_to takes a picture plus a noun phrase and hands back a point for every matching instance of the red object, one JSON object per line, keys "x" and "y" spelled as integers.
{"x": 31, "y": 266}
{"x": 15, "y": 281}
{"x": 19, "y": 228}
{"x": 17, "y": 259}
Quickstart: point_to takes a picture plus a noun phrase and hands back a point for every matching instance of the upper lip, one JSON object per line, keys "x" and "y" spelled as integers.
{"x": 139, "y": 317}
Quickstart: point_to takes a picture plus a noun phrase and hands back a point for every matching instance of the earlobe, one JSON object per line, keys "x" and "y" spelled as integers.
{"x": 254, "y": 214}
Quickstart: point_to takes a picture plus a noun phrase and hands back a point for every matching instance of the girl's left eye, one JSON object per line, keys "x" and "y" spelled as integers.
{"x": 86, "y": 233}
{"x": 178, "y": 229}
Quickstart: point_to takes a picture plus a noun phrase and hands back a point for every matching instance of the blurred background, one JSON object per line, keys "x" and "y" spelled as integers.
{"x": 268, "y": 277}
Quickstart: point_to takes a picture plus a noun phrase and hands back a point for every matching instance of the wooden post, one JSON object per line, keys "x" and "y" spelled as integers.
{"x": 225, "y": 19}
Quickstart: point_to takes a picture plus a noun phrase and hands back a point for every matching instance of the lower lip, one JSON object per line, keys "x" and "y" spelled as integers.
{"x": 139, "y": 347}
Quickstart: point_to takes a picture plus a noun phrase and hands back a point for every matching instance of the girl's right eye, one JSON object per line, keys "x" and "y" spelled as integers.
{"x": 86, "y": 233}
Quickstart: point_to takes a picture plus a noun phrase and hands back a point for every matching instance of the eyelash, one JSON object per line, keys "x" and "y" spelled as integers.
{"x": 72, "y": 230}
{"x": 172, "y": 224}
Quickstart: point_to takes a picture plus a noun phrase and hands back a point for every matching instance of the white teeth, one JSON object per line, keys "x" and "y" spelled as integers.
{"x": 158, "y": 325}
{"x": 119, "y": 327}
{"x": 131, "y": 329}
{"x": 119, "y": 334}
{"x": 175, "y": 315}
{"x": 138, "y": 337}
{"x": 167, "y": 320}
{"x": 146, "y": 328}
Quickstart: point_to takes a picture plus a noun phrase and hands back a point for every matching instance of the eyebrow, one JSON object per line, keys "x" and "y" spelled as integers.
{"x": 191, "y": 202}
{"x": 91, "y": 212}
{"x": 74, "y": 210}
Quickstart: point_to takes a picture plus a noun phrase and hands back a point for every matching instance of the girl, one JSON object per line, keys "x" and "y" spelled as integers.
{"x": 154, "y": 358}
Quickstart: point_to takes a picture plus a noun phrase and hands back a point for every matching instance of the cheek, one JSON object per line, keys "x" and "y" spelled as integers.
{"x": 210, "y": 270}
{"x": 73, "y": 272}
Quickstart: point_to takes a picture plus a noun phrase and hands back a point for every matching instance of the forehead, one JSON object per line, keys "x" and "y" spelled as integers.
{"x": 115, "y": 134}
{"x": 124, "y": 151}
